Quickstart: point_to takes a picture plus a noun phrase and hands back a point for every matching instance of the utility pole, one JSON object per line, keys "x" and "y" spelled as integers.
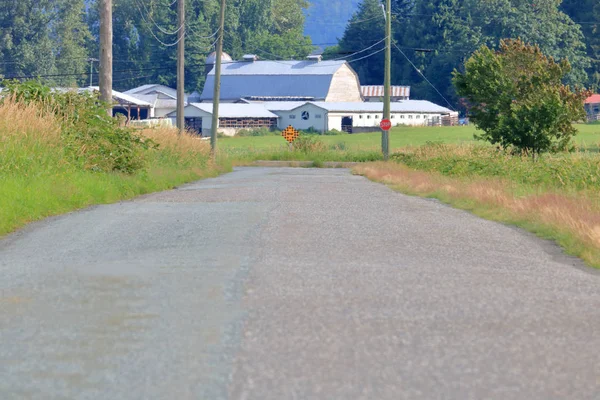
{"x": 181, "y": 67}
{"x": 385, "y": 135}
{"x": 217, "y": 91}
{"x": 106, "y": 53}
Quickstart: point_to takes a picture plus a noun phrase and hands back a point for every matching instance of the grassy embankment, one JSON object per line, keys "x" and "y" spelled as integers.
{"x": 556, "y": 197}
{"x": 41, "y": 174}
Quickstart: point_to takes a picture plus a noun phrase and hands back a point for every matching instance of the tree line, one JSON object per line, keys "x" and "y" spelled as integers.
{"x": 57, "y": 40}
{"x": 438, "y": 36}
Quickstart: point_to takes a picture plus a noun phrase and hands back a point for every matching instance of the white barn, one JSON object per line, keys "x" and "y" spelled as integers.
{"x": 357, "y": 117}
{"x": 310, "y": 80}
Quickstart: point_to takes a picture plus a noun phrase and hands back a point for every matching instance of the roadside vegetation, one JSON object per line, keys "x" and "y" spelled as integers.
{"x": 61, "y": 152}
{"x": 556, "y": 197}
{"x": 530, "y": 173}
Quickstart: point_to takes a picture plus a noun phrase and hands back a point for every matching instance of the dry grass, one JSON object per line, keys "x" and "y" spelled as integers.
{"x": 169, "y": 138}
{"x": 27, "y": 122}
{"x": 572, "y": 220}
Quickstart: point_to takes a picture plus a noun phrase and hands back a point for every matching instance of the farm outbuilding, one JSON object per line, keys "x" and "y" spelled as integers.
{"x": 310, "y": 80}
{"x": 592, "y": 107}
{"x": 162, "y": 98}
{"x": 232, "y": 118}
{"x": 358, "y": 117}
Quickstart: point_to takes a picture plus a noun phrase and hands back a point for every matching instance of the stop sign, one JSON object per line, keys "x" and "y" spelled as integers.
{"x": 386, "y": 124}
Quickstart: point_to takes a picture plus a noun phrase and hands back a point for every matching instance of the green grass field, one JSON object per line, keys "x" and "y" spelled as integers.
{"x": 588, "y": 138}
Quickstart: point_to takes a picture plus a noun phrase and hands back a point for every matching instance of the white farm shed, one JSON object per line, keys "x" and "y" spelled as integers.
{"x": 357, "y": 117}
{"x": 232, "y": 118}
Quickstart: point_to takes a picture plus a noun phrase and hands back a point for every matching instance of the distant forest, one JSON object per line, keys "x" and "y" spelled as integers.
{"x": 56, "y": 39}
{"x": 434, "y": 37}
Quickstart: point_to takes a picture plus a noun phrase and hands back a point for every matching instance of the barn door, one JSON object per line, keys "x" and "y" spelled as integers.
{"x": 194, "y": 125}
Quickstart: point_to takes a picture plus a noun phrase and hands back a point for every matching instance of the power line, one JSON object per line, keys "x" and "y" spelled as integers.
{"x": 84, "y": 73}
{"x": 149, "y": 14}
{"x": 424, "y": 77}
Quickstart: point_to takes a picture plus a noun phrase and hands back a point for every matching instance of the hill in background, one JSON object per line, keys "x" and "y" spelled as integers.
{"x": 327, "y": 19}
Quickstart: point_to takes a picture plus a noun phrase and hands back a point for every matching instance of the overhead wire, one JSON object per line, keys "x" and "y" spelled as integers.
{"x": 424, "y": 77}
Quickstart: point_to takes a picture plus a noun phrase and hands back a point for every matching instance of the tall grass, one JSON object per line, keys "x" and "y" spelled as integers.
{"x": 40, "y": 176}
{"x": 557, "y": 197}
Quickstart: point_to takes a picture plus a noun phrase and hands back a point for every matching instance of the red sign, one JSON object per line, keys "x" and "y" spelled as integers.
{"x": 386, "y": 124}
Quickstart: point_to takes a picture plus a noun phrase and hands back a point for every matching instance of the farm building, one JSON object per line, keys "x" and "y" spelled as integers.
{"x": 232, "y": 118}
{"x": 163, "y": 99}
{"x": 309, "y": 80}
{"x": 376, "y": 93}
{"x": 592, "y": 108}
{"x": 358, "y": 117}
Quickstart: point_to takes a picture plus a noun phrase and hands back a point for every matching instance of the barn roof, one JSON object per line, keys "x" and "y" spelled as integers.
{"x": 149, "y": 89}
{"x": 594, "y": 99}
{"x": 237, "y": 110}
{"x": 406, "y": 106}
{"x": 274, "y": 79}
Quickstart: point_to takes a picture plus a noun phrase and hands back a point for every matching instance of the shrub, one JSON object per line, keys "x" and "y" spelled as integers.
{"x": 309, "y": 144}
{"x": 257, "y": 132}
{"x": 91, "y": 137}
{"x": 516, "y": 96}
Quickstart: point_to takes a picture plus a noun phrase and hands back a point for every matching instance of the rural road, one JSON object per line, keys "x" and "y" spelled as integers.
{"x": 277, "y": 283}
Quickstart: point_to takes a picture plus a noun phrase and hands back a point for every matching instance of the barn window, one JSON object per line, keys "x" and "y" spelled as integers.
{"x": 418, "y": 117}
{"x": 393, "y": 116}
{"x": 318, "y": 116}
{"x": 368, "y": 117}
{"x": 292, "y": 116}
{"x": 377, "y": 116}
{"x": 410, "y": 117}
{"x": 402, "y": 117}
{"x": 360, "y": 117}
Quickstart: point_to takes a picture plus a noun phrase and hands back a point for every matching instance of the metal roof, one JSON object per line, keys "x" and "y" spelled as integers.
{"x": 280, "y": 68}
{"x": 405, "y": 106}
{"x": 274, "y": 79}
{"x": 237, "y": 110}
{"x": 148, "y": 89}
{"x": 379, "y": 91}
{"x": 282, "y": 105}
{"x": 122, "y": 98}
{"x": 595, "y": 99}
{"x": 237, "y": 87}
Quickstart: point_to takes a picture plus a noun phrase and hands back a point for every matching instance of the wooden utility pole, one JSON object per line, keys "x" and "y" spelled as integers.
{"x": 385, "y": 135}
{"x": 181, "y": 67}
{"x": 106, "y": 53}
{"x": 217, "y": 91}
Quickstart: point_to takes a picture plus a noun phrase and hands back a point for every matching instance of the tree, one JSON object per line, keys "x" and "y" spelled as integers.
{"x": 439, "y": 35}
{"x": 366, "y": 29}
{"x": 517, "y": 98}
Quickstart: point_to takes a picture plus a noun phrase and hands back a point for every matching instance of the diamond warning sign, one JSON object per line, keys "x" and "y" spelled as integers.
{"x": 290, "y": 134}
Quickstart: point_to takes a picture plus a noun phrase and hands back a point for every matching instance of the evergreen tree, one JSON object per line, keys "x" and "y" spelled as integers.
{"x": 587, "y": 13}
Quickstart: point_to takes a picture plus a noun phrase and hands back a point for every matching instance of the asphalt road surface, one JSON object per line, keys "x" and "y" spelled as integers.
{"x": 275, "y": 283}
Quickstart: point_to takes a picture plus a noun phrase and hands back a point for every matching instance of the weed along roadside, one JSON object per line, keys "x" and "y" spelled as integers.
{"x": 556, "y": 197}
{"x": 58, "y": 155}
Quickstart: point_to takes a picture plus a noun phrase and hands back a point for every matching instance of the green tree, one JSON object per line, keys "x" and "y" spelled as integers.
{"x": 42, "y": 37}
{"x": 517, "y": 98}
{"x": 366, "y": 30}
